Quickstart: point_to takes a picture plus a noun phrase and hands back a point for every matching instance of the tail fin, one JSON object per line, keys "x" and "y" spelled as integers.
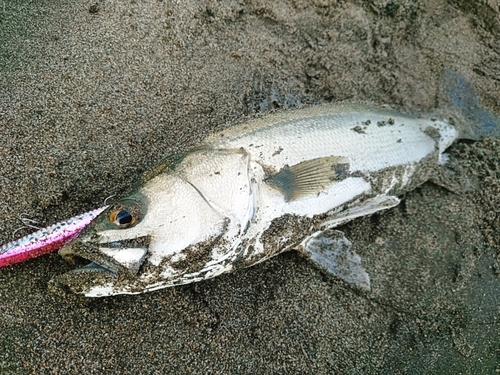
{"x": 458, "y": 95}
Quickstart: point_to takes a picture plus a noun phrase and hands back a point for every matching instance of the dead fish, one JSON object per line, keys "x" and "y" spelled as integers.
{"x": 253, "y": 191}
{"x": 47, "y": 239}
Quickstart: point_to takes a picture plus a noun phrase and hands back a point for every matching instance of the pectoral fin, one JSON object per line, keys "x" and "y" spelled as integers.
{"x": 310, "y": 176}
{"x": 331, "y": 251}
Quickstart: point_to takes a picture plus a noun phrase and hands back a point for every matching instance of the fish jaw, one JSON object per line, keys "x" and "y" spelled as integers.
{"x": 103, "y": 277}
{"x": 47, "y": 239}
{"x": 101, "y": 264}
{"x": 126, "y": 266}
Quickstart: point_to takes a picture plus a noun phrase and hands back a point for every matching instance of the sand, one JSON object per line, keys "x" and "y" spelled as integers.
{"x": 95, "y": 93}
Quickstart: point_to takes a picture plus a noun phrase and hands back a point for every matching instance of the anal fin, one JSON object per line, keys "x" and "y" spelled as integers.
{"x": 331, "y": 251}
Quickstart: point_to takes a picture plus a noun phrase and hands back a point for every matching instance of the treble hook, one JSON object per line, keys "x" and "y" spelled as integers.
{"x": 27, "y": 223}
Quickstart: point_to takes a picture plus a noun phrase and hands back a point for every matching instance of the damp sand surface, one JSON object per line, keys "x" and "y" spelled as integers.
{"x": 94, "y": 94}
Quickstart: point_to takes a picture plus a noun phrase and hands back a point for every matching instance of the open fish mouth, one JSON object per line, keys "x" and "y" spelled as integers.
{"x": 121, "y": 257}
{"x": 83, "y": 264}
{"x": 99, "y": 268}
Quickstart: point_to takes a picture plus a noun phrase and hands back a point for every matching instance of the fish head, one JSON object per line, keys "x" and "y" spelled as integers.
{"x": 175, "y": 229}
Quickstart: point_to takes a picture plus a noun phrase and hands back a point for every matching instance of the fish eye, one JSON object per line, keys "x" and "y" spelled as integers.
{"x": 123, "y": 217}
{"x": 124, "y": 214}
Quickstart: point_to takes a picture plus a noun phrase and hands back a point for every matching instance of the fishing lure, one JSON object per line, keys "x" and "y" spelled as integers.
{"x": 46, "y": 239}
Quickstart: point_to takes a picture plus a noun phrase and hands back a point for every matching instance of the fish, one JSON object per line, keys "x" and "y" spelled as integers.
{"x": 248, "y": 193}
{"x": 46, "y": 240}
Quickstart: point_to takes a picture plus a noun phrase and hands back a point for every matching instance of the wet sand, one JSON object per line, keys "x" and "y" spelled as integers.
{"x": 94, "y": 94}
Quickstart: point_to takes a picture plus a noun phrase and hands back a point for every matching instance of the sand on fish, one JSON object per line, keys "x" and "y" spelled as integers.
{"x": 95, "y": 93}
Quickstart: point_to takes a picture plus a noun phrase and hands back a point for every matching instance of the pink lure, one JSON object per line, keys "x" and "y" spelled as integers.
{"x": 47, "y": 239}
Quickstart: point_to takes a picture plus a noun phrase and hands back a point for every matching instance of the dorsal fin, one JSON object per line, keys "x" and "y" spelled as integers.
{"x": 310, "y": 176}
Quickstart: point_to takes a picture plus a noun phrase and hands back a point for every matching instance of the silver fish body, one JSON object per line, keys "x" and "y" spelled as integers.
{"x": 255, "y": 190}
